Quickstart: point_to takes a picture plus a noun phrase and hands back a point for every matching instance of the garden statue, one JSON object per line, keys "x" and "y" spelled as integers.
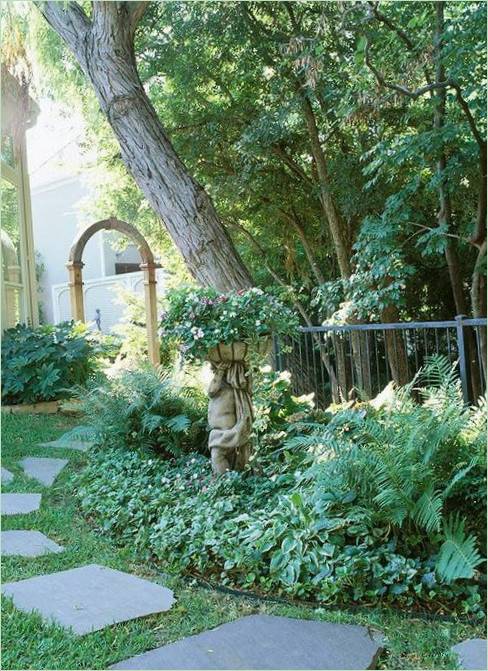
{"x": 233, "y": 332}
{"x": 230, "y": 413}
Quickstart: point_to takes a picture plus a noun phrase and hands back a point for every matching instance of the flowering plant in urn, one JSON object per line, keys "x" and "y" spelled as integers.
{"x": 200, "y": 319}
{"x": 224, "y": 329}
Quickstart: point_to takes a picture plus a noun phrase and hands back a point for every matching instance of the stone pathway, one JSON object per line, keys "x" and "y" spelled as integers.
{"x": 267, "y": 642}
{"x": 472, "y": 654}
{"x": 68, "y": 444}
{"x": 90, "y": 598}
{"x": 27, "y": 544}
{"x": 20, "y": 504}
{"x": 7, "y": 476}
{"x": 43, "y": 469}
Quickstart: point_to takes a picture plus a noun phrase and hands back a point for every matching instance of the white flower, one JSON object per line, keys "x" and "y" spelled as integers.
{"x": 258, "y": 323}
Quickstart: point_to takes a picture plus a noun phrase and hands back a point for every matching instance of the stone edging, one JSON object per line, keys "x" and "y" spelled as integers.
{"x": 42, "y": 408}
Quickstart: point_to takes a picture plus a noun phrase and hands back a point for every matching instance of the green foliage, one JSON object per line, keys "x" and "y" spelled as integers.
{"x": 133, "y": 333}
{"x": 361, "y": 506}
{"x": 274, "y": 403}
{"x": 30, "y": 643}
{"x": 44, "y": 363}
{"x": 223, "y": 78}
{"x": 143, "y": 408}
{"x": 200, "y": 319}
{"x": 458, "y": 555}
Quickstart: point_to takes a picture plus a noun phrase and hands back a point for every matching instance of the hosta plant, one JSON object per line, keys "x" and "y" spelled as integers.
{"x": 44, "y": 363}
{"x": 357, "y": 506}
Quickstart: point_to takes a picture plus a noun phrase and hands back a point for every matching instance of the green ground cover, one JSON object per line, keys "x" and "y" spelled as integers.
{"x": 28, "y": 643}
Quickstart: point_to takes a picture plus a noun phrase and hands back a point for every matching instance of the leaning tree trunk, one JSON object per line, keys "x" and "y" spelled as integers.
{"x": 444, "y": 215}
{"x": 103, "y": 46}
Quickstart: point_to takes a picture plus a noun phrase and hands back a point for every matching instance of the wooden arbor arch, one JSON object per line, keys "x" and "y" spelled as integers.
{"x": 148, "y": 266}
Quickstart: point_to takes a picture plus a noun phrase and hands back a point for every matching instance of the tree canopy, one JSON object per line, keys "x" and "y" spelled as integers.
{"x": 343, "y": 144}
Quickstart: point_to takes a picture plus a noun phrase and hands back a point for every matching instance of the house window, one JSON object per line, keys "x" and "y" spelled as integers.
{"x": 12, "y": 275}
{"x": 18, "y": 281}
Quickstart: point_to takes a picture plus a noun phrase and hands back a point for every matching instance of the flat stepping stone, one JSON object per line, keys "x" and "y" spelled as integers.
{"x": 43, "y": 469}
{"x": 267, "y": 642}
{"x": 471, "y": 654}
{"x": 68, "y": 444}
{"x": 27, "y": 544}
{"x": 7, "y": 476}
{"x": 89, "y": 598}
{"x": 20, "y": 504}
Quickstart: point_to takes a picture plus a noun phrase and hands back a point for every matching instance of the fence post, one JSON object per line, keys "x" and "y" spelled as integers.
{"x": 463, "y": 369}
{"x": 276, "y": 353}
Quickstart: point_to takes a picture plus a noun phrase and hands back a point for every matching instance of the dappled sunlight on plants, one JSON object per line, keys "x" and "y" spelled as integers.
{"x": 357, "y": 504}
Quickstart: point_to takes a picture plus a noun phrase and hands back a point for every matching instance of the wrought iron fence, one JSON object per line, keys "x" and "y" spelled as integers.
{"x": 337, "y": 363}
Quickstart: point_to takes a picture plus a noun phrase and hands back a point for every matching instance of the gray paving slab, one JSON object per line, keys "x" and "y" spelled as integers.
{"x": 267, "y": 642}
{"x": 7, "y": 476}
{"x": 19, "y": 504}
{"x": 472, "y": 654}
{"x": 43, "y": 469}
{"x": 68, "y": 444}
{"x": 27, "y": 544}
{"x": 89, "y": 598}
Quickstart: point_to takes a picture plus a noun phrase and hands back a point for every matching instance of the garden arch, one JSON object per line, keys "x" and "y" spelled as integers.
{"x": 148, "y": 266}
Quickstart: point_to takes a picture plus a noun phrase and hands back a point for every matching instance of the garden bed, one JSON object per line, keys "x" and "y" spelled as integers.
{"x": 358, "y": 506}
{"x": 411, "y": 643}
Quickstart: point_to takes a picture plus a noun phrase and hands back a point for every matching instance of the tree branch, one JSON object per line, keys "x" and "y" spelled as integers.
{"x": 70, "y": 22}
{"x": 396, "y": 87}
{"x": 279, "y": 150}
{"x": 448, "y": 235}
{"x": 448, "y": 83}
{"x": 136, "y": 11}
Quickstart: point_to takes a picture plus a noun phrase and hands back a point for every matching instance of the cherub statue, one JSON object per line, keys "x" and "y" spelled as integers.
{"x": 230, "y": 415}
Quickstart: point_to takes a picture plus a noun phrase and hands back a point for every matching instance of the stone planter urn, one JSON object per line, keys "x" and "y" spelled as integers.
{"x": 230, "y": 413}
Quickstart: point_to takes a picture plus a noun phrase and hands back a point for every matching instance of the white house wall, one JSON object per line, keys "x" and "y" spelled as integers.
{"x": 56, "y": 218}
{"x": 101, "y": 293}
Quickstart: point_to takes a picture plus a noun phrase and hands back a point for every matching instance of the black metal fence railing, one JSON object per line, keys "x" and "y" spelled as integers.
{"x": 337, "y": 363}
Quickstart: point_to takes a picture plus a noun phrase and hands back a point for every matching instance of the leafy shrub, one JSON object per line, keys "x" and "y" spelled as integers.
{"x": 200, "y": 318}
{"x": 144, "y": 408}
{"x": 371, "y": 506}
{"x": 133, "y": 334}
{"x": 44, "y": 363}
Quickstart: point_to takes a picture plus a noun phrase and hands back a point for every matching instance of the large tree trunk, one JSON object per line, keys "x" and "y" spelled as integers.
{"x": 342, "y": 245}
{"x": 444, "y": 215}
{"x": 104, "y": 50}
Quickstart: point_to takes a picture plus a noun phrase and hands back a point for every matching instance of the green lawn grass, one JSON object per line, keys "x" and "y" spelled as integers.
{"x": 28, "y": 643}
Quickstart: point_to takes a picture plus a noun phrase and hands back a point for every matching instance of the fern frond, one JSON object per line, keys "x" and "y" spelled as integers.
{"x": 428, "y": 510}
{"x": 458, "y": 556}
{"x": 457, "y": 478}
{"x": 178, "y": 423}
{"x": 151, "y": 422}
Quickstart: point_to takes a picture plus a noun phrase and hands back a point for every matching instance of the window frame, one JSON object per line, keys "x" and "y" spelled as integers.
{"x": 18, "y": 177}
